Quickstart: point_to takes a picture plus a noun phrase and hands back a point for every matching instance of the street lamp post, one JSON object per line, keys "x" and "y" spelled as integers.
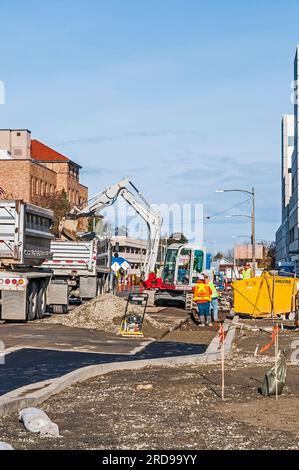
{"x": 253, "y": 232}
{"x": 252, "y": 217}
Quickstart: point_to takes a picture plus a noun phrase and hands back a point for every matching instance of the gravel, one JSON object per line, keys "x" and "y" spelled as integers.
{"x": 103, "y": 313}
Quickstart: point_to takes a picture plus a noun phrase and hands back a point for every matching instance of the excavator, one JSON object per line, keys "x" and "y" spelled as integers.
{"x": 106, "y": 198}
{"x": 183, "y": 262}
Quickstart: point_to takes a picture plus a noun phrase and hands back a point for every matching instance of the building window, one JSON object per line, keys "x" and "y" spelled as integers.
{"x": 33, "y": 186}
{"x": 37, "y": 186}
{"x": 292, "y": 235}
{"x": 292, "y": 185}
{"x": 291, "y": 141}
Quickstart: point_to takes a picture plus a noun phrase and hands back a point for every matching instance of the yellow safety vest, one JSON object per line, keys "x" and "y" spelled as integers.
{"x": 214, "y": 290}
{"x": 247, "y": 274}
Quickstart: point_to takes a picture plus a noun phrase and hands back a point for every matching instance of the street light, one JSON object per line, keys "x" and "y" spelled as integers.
{"x": 252, "y": 217}
{"x": 239, "y": 215}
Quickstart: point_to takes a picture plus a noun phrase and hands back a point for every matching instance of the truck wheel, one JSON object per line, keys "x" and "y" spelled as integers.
{"x": 41, "y": 301}
{"x": 32, "y": 301}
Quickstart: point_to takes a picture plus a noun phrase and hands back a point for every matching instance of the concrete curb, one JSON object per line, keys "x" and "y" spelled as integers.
{"x": 35, "y": 394}
{"x": 175, "y": 327}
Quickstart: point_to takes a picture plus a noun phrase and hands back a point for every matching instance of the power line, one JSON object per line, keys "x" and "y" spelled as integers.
{"x": 227, "y": 210}
{"x": 210, "y": 216}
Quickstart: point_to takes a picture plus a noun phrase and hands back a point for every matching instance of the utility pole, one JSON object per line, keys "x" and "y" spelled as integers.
{"x": 252, "y": 217}
{"x": 253, "y": 232}
{"x": 235, "y": 254}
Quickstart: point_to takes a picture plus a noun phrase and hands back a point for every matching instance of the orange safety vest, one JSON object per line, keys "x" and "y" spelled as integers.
{"x": 202, "y": 293}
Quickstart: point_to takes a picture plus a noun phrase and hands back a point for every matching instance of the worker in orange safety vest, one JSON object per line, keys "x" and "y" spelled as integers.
{"x": 203, "y": 297}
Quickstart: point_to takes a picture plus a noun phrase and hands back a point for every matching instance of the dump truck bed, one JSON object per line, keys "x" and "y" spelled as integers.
{"x": 24, "y": 233}
{"x": 82, "y": 257}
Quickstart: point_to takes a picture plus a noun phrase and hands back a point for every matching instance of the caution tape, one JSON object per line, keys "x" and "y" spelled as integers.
{"x": 221, "y": 334}
{"x": 273, "y": 336}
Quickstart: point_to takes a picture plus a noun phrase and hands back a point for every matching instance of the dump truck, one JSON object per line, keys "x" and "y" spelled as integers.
{"x": 25, "y": 239}
{"x": 81, "y": 270}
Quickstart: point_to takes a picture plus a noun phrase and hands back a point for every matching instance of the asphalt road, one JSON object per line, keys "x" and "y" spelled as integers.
{"x": 27, "y": 366}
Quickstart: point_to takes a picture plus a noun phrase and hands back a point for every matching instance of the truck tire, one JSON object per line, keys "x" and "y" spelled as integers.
{"x": 41, "y": 300}
{"x": 32, "y": 301}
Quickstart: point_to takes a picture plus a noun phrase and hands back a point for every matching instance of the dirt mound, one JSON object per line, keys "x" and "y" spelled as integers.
{"x": 101, "y": 313}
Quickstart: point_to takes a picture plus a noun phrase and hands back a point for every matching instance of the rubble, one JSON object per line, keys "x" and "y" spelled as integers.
{"x": 102, "y": 313}
{"x": 144, "y": 387}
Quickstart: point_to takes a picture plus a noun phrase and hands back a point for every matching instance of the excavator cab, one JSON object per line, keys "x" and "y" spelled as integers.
{"x": 183, "y": 264}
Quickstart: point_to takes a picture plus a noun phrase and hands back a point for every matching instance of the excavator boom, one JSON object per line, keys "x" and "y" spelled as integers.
{"x": 106, "y": 198}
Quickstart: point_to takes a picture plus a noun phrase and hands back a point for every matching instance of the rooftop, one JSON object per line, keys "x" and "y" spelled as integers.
{"x": 43, "y": 153}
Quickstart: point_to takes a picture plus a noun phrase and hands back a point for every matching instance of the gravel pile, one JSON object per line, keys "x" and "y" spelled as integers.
{"x": 102, "y": 313}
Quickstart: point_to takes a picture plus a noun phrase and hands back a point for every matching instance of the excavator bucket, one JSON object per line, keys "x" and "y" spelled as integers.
{"x": 69, "y": 228}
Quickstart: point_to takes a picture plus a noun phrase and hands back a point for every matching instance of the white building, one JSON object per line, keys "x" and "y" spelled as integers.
{"x": 287, "y": 236}
{"x": 132, "y": 250}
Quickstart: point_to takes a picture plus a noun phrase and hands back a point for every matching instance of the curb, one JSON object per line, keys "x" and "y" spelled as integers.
{"x": 175, "y": 327}
{"x": 35, "y": 394}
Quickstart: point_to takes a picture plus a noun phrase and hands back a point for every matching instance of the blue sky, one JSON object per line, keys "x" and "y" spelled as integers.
{"x": 182, "y": 96}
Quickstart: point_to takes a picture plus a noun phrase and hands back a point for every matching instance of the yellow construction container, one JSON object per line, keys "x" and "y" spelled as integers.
{"x": 265, "y": 296}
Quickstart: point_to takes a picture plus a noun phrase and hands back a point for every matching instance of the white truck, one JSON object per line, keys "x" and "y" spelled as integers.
{"x": 81, "y": 270}
{"x": 25, "y": 239}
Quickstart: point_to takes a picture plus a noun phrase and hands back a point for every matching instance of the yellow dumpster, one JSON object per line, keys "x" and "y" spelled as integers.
{"x": 265, "y": 296}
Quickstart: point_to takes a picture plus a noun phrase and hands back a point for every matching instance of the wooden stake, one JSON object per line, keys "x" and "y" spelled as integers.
{"x": 276, "y": 358}
{"x": 222, "y": 364}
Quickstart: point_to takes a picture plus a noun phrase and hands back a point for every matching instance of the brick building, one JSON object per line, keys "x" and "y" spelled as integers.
{"x": 30, "y": 169}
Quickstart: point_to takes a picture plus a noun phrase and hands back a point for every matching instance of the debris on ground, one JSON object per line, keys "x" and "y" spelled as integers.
{"x": 183, "y": 410}
{"x": 275, "y": 379}
{"x": 102, "y": 313}
{"x": 144, "y": 387}
{"x": 37, "y": 421}
{"x": 5, "y": 446}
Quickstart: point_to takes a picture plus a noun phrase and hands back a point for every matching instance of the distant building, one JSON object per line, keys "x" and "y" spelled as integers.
{"x": 30, "y": 169}
{"x": 287, "y": 236}
{"x": 132, "y": 250}
{"x": 244, "y": 252}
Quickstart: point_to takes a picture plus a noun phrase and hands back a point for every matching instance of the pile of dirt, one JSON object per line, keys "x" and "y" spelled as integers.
{"x": 102, "y": 313}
